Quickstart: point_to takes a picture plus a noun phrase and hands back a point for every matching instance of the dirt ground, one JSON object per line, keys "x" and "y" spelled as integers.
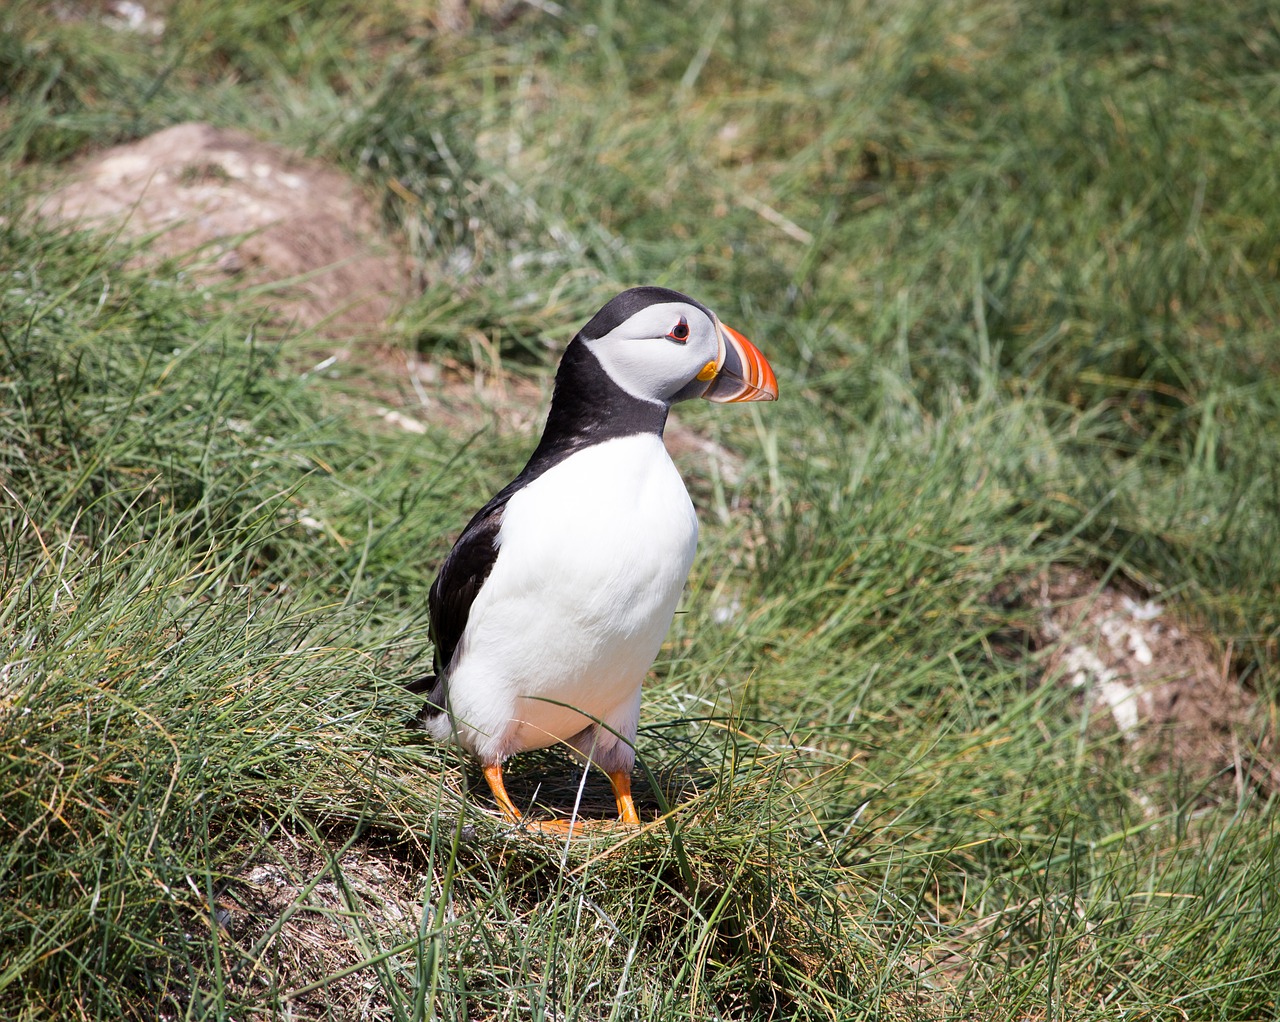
{"x": 1158, "y": 680}
{"x": 227, "y": 204}
{"x": 300, "y": 918}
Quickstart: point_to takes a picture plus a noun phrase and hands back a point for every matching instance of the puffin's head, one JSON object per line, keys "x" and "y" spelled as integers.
{"x": 660, "y": 345}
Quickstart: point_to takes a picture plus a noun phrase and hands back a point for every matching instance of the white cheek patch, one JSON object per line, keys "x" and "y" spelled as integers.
{"x": 648, "y": 378}
{"x": 643, "y": 361}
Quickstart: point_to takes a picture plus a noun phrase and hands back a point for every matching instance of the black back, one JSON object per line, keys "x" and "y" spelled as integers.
{"x": 587, "y": 407}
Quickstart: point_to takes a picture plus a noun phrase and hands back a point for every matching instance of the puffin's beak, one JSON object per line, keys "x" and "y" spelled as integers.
{"x": 743, "y": 374}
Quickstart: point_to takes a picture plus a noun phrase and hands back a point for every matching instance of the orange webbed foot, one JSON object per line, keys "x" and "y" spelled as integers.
{"x": 627, "y": 815}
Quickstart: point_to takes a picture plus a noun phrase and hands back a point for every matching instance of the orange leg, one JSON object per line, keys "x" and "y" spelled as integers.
{"x": 493, "y": 774}
{"x": 621, "y": 781}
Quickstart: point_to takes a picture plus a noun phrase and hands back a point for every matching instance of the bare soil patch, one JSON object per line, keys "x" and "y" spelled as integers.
{"x": 1156, "y": 678}
{"x": 230, "y": 205}
{"x": 304, "y": 922}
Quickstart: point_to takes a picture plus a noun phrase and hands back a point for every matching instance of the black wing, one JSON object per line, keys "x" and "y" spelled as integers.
{"x": 454, "y": 591}
{"x": 463, "y": 573}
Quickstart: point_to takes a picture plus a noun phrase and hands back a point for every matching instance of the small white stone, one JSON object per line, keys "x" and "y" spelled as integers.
{"x": 1148, "y": 611}
{"x": 1124, "y": 707}
{"x": 409, "y": 425}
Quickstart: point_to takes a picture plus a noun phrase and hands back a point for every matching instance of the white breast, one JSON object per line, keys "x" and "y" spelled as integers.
{"x": 592, "y": 558}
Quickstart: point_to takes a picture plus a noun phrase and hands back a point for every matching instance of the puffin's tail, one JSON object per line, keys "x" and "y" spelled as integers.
{"x": 420, "y": 685}
{"x": 433, "y": 686}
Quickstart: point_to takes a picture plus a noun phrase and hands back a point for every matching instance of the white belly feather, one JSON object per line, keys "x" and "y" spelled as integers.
{"x": 592, "y": 557}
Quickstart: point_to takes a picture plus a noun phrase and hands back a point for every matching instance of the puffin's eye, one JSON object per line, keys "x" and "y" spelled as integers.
{"x": 680, "y": 332}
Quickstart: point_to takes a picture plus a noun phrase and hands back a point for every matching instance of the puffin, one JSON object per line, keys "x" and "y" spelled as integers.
{"x": 553, "y": 603}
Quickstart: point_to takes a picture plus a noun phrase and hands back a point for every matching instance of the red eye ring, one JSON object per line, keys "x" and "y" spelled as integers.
{"x": 680, "y": 332}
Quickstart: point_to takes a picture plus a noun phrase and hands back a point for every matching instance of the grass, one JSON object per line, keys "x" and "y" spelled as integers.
{"x": 1015, "y": 265}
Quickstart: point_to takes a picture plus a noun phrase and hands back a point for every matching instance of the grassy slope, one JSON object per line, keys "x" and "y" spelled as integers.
{"x": 1017, "y": 271}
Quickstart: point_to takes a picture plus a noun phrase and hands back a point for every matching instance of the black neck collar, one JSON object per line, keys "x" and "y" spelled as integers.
{"x": 588, "y": 407}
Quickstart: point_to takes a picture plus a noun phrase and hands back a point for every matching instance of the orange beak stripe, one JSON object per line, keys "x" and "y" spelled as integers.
{"x": 744, "y": 373}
